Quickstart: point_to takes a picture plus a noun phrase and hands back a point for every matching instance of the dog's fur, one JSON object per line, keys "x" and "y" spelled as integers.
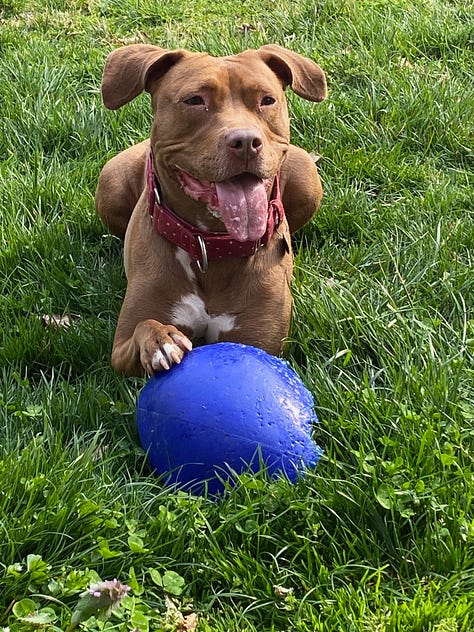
{"x": 215, "y": 119}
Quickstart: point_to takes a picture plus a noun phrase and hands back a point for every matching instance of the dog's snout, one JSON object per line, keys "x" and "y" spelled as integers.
{"x": 244, "y": 141}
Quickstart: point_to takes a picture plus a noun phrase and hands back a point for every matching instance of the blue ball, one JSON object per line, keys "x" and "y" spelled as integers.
{"x": 227, "y": 408}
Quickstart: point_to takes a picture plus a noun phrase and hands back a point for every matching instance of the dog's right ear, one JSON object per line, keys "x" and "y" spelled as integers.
{"x": 128, "y": 71}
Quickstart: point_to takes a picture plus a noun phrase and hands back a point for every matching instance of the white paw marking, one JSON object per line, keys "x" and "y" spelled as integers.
{"x": 171, "y": 349}
{"x": 159, "y": 361}
{"x": 166, "y": 356}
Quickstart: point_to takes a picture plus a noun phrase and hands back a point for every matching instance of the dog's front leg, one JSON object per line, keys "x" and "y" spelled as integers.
{"x": 301, "y": 187}
{"x": 151, "y": 347}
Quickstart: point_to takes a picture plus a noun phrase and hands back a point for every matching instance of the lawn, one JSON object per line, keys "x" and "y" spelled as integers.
{"x": 380, "y": 536}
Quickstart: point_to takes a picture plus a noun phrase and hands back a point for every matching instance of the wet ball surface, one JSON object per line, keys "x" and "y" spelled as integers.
{"x": 226, "y": 408}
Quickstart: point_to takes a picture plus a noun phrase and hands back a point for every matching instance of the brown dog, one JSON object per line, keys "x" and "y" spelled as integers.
{"x": 207, "y": 204}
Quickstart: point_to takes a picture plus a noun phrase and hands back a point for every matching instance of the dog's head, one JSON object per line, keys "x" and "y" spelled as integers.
{"x": 221, "y": 126}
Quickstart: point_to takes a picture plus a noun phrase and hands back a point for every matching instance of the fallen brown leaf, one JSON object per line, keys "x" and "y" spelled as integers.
{"x": 189, "y": 623}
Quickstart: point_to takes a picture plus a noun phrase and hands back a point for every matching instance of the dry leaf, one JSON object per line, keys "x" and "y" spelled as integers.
{"x": 174, "y": 617}
{"x": 281, "y": 591}
{"x": 56, "y": 322}
{"x": 189, "y": 623}
{"x": 245, "y": 28}
{"x": 404, "y": 63}
{"x": 316, "y": 157}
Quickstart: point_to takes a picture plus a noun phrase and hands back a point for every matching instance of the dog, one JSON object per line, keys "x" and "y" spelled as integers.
{"x": 207, "y": 204}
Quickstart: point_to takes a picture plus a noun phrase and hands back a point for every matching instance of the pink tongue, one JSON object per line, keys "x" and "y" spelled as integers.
{"x": 243, "y": 206}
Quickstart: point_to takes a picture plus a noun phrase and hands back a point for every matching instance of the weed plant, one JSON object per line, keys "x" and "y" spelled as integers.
{"x": 381, "y": 535}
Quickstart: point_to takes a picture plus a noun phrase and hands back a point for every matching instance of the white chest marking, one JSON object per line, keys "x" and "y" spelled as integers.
{"x": 219, "y": 325}
{"x": 185, "y": 262}
{"x": 191, "y": 312}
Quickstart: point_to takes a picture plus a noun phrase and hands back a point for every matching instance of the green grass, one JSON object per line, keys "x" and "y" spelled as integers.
{"x": 380, "y": 537}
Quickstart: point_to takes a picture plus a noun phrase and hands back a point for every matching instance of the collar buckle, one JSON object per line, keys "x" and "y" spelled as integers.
{"x": 202, "y": 264}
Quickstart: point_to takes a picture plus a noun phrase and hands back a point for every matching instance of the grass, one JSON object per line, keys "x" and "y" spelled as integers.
{"x": 380, "y": 536}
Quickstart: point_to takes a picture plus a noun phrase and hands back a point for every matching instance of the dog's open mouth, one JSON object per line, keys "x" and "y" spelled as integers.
{"x": 241, "y": 202}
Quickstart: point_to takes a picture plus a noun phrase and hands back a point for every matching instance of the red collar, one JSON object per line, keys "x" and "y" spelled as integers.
{"x": 204, "y": 246}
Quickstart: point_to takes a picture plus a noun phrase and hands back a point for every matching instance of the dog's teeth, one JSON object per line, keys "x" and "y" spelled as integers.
{"x": 214, "y": 213}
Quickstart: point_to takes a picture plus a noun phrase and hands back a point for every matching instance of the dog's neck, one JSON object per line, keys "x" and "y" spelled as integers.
{"x": 201, "y": 244}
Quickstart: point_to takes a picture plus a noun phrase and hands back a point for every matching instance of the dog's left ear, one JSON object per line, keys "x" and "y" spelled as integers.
{"x": 301, "y": 74}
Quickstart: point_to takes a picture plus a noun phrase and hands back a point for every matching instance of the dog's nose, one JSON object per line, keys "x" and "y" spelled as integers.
{"x": 245, "y": 141}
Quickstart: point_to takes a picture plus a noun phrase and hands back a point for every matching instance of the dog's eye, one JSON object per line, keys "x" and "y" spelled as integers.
{"x": 195, "y": 100}
{"x": 268, "y": 100}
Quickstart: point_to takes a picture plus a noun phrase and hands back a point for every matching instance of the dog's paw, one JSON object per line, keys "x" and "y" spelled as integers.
{"x": 165, "y": 347}
{"x": 170, "y": 353}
